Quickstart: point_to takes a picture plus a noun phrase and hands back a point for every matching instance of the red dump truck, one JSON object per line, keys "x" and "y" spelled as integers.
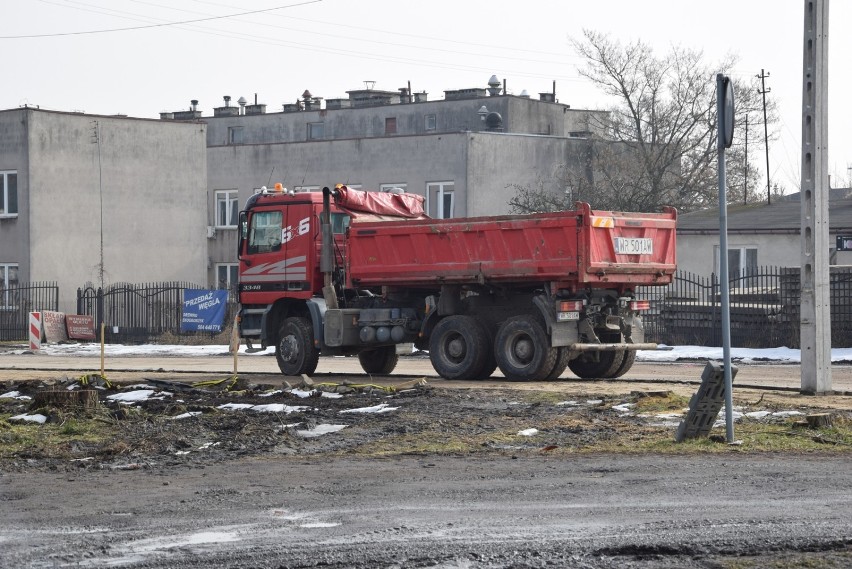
{"x": 349, "y": 272}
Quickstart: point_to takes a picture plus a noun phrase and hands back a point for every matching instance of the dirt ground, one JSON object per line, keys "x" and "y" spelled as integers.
{"x": 189, "y": 418}
{"x": 162, "y": 469}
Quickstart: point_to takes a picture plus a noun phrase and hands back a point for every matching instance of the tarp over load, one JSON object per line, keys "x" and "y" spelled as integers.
{"x": 379, "y": 203}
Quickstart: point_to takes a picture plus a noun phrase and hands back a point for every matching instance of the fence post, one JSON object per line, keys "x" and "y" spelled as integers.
{"x": 100, "y": 305}
{"x": 715, "y": 285}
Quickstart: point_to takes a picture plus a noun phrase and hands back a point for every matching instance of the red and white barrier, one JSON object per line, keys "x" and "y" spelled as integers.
{"x": 35, "y": 330}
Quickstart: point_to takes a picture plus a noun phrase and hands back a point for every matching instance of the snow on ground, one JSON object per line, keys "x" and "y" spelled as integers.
{"x": 664, "y": 354}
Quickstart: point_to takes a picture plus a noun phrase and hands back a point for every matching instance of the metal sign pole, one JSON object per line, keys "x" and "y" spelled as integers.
{"x": 725, "y": 131}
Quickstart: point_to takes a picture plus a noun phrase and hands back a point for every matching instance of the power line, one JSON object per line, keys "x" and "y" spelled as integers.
{"x": 162, "y": 25}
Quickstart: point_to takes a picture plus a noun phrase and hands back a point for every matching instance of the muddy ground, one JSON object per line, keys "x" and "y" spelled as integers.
{"x": 349, "y": 473}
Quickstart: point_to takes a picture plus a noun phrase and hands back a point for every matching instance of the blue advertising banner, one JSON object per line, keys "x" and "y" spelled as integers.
{"x": 203, "y": 310}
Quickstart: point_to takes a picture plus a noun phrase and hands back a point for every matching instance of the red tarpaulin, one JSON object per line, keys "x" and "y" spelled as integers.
{"x": 380, "y": 203}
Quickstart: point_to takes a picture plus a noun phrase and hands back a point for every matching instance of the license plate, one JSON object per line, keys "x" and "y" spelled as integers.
{"x": 634, "y": 246}
{"x": 563, "y": 316}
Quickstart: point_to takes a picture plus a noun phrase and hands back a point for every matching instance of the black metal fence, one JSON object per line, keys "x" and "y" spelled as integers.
{"x": 16, "y": 302}
{"x": 764, "y": 309}
{"x": 138, "y": 313}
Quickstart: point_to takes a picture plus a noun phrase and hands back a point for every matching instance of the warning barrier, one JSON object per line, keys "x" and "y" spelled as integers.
{"x": 35, "y": 330}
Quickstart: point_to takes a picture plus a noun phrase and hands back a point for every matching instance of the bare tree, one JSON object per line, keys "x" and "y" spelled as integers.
{"x": 658, "y": 145}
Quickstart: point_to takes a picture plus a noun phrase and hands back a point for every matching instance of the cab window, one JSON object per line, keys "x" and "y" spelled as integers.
{"x": 339, "y": 223}
{"x": 265, "y": 232}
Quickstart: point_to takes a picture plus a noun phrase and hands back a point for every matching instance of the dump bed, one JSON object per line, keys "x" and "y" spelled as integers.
{"x": 584, "y": 248}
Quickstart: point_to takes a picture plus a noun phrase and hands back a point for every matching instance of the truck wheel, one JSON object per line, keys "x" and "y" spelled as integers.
{"x": 523, "y": 350}
{"x": 380, "y": 361}
{"x": 295, "y": 350}
{"x": 626, "y": 364}
{"x": 561, "y": 363}
{"x": 585, "y": 367}
{"x": 458, "y": 348}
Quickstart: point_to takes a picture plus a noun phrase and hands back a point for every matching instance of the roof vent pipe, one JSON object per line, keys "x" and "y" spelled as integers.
{"x": 227, "y": 100}
{"x": 194, "y": 103}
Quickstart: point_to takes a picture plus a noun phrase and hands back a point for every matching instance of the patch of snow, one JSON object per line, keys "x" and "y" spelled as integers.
{"x": 15, "y": 395}
{"x": 302, "y": 394}
{"x": 320, "y": 430}
{"x": 186, "y": 415}
{"x": 758, "y": 414}
{"x": 331, "y": 395}
{"x": 208, "y": 445}
{"x": 136, "y": 396}
{"x": 594, "y": 401}
{"x": 37, "y": 418}
{"x": 669, "y": 415}
{"x": 528, "y": 432}
{"x": 380, "y": 408}
{"x": 234, "y": 406}
{"x": 279, "y": 408}
{"x": 270, "y": 393}
{"x": 787, "y": 414}
{"x": 312, "y": 525}
{"x": 623, "y": 408}
{"x": 568, "y": 404}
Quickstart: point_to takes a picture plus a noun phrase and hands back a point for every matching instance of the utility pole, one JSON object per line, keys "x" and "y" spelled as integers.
{"x": 96, "y": 139}
{"x": 763, "y": 91}
{"x": 745, "y": 184}
{"x": 815, "y": 315}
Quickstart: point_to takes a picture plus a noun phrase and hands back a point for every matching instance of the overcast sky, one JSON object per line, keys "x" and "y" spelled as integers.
{"x": 140, "y": 62}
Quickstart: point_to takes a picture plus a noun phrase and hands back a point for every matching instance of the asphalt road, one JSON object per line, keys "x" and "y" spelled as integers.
{"x": 599, "y": 511}
{"x": 604, "y": 511}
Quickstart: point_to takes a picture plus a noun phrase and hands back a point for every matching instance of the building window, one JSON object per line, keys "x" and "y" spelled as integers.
{"x": 8, "y": 193}
{"x": 742, "y": 264}
{"x": 390, "y": 125}
{"x": 8, "y": 280}
{"x": 439, "y": 199}
{"x": 227, "y": 275}
{"x": 227, "y": 208}
{"x": 235, "y": 135}
{"x": 316, "y": 130}
{"x": 390, "y": 187}
{"x": 431, "y": 122}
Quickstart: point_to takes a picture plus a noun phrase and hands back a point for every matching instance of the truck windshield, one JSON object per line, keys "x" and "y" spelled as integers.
{"x": 265, "y": 232}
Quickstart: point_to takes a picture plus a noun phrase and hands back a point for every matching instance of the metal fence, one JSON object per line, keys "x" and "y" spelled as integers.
{"x": 16, "y": 302}
{"x": 138, "y": 313}
{"x": 764, "y": 309}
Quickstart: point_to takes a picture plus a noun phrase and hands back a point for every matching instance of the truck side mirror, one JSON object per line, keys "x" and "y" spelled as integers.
{"x": 243, "y": 229}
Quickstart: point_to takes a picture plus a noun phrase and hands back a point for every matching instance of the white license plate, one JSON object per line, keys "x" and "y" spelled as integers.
{"x": 563, "y": 316}
{"x": 634, "y": 246}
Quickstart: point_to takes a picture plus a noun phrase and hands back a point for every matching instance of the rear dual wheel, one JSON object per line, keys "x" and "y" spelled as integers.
{"x": 609, "y": 365}
{"x": 523, "y": 351}
{"x": 460, "y": 348}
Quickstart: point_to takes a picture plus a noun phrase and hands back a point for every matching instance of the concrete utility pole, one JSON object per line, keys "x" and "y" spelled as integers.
{"x": 816, "y": 292}
{"x": 745, "y": 185}
{"x": 763, "y": 91}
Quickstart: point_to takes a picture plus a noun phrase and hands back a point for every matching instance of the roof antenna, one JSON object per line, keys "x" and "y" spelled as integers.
{"x": 270, "y": 177}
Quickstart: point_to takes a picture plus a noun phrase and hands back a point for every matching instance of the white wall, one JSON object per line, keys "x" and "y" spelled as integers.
{"x": 151, "y": 180}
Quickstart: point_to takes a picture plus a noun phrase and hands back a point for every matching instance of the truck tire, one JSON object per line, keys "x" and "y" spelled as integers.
{"x": 523, "y": 350}
{"x": 295, "y": 349}
{"x": 585, "y": 367}
{"x": 380, "y": 361}
{"x": 458, "y": 348}
{"x": 626, "y": 364}
{"x": 561, "y": 364}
